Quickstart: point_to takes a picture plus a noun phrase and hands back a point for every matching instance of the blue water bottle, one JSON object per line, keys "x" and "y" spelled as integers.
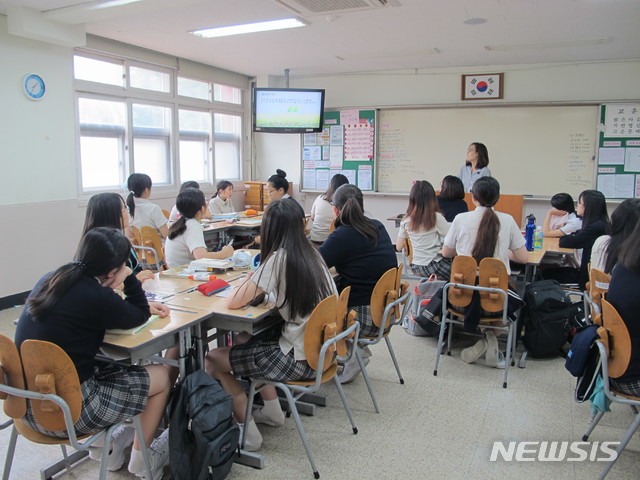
{"x": 529, "y": 231}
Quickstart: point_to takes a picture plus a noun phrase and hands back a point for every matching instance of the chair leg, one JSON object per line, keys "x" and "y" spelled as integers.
{"x": 443, "y": 322}
{"x": 11, "y": 448}
{"x": 247, "y": 413}
{"x": 367, "y": 380}
{"x": 303, "y": 435}
{"x": 106, "y": 448}
{"x": 623, "y": 444}
{"x": 509, "y": 350}
{"x": 143, "y": 446}
{"x": 343, "y": 397}
{"x": 594, "y": 422}
{"x": 393, "y": 357}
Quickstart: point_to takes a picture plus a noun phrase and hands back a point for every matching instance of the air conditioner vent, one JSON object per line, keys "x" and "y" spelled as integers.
{"x": 323, "y": 7}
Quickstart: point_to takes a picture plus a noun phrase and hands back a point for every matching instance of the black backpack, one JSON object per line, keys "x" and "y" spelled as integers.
{"x": 546, "y": 317}
{"x": 203, "y": 439}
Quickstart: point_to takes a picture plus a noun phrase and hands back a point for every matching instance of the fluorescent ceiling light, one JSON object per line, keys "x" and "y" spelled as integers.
{"x": 531, "y": 46}
{"x": 250, "y": 28}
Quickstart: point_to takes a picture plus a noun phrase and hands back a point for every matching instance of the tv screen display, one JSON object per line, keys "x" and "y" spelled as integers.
{"x": 287, "y": 110}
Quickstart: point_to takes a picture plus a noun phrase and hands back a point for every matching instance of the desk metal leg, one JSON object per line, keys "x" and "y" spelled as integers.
{"x": 250, "y": 459}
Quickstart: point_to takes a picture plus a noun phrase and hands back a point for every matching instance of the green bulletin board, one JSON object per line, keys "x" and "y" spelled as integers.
{"x": 619, "y": 151}
{"x": 346, "y": 145}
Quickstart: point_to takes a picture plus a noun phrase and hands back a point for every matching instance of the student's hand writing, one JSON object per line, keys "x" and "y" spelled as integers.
{"x": 145, "y": 275}
{"x": 226, "y": 251}
{"x": 159, "y": 309}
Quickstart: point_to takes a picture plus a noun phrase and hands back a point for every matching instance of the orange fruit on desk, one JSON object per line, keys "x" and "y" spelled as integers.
{"x": 250, "y": 211}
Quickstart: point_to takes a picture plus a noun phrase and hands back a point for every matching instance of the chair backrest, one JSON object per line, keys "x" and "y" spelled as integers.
{"x": 408, "y": 252}
{"x": 598, "y": 286}
{"x": 48, "y": 369}
{"x": 151, "y": 238}
{"x": 343, "y": 320}
{"x": 493, "y": 274}
{"x": 320, "y": 327}
{"x": 166, "y": 213}
{"x": 332, "y": 226}
{"x": 464, "y": 270}
{"x": 384, "y": 292}
{"x": 619, "y": 341}
{"x": 401, "y": 288}
{"x": 11, "y": 375}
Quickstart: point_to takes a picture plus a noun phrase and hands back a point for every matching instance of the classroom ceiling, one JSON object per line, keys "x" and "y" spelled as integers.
{"x": 355, "y": 36}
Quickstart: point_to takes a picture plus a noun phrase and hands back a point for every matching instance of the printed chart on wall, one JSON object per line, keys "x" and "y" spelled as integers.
{"x": 346, "y": 145}
{"x": 619, "y": 151}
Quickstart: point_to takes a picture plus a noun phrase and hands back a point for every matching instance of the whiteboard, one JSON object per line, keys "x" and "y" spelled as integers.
{"x": 533, "y": 150}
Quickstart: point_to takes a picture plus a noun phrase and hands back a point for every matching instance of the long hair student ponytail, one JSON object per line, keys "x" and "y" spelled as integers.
{"x": 136, "y": 183}
{"x": 222, "y": 185}
{"x": 100, "y": 251}
{"x": 624, "y": 220}
{"x": 486, "y": 190}
{"x": 595, "y": 208}
{"x": 336, "y": 182}
{"x": 104, "y": 210}
{"x": 282, "y": 230}
{"x": 188, "y": 203}
{"x": 348, "y": 200}
{"x": 422, "y": 206}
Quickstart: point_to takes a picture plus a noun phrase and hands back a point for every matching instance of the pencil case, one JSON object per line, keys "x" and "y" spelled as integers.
{"x": 213, "y": 286}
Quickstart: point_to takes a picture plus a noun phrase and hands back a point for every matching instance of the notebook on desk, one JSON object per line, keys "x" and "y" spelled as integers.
{"x": 134, "y": 330}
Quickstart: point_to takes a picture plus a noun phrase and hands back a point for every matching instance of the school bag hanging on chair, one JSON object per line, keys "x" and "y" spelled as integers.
{"x": 426, "y": 307}
{"x": 203, "y": 439}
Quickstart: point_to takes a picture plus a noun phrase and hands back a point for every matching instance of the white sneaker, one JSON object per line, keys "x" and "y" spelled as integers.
{"x": 260, "y": 417}
{"x": 253, "y": 440}
{"x": 351, "y": 370}
{"x": 158, "y": 457}
{"x": 121, "y": 439}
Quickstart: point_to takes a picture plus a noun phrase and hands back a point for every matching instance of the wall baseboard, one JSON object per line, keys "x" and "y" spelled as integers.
{"x": 13, "y": 300}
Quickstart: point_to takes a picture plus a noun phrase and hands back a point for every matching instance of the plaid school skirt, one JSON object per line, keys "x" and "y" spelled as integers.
{"x": 440, "y": 266}
{"x": 115, "y": 392}
{"x": 629, "y": 388}
{"x": 363, "y": 315}
{"x": 261, "y": 357}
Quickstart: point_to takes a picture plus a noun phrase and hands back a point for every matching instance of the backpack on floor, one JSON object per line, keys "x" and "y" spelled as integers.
{"x": 546, "y": 315}
{"x": 203, "y": 439}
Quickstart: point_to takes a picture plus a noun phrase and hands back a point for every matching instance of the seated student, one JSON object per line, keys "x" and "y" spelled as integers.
{"x": 72, "y": 307}
{"x": 321, "y": 212}
{"x": 361, "y": 251}
{"x": 606, "y": 249}
{"x": 451, "y": 199}
{"x": 109, "y": 210}
{"x": 174, "y": 215}
{"x": 561, "y": 220}
{"x": 293, "y": 273}
{"x": 278, "y": 186}
{"x": 482, "y": 233}
{"x": 592, "y": 208}
{"x": 186, "y": 238}
{"x": 221, "y": 201}
{"x": 623, "y": 295}
{"x": 143, "y": 212}
{"x": 426, "y": 228}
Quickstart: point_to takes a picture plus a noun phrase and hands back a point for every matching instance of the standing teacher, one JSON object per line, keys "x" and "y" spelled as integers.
{"x": 476, "y": 165}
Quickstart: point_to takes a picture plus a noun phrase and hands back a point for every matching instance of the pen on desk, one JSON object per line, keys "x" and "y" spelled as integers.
{"x": 181, "y": 309}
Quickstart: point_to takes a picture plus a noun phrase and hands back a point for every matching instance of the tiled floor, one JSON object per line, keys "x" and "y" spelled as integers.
{"x": 431, "y": 427}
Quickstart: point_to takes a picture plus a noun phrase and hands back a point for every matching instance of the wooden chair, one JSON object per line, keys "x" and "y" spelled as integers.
{"x": 407, "y": 260}
{"x": 320, "y": 349}
{"x": 614, "y": 347}
{"x": 597, "y": 287}
{"x": 136, "y": 242}
{"x": 151, "y": 239}
{"x": 53, "y": 388}
{"x": 388, "y": 295}
{"x": 166, "y": 213}
{"x": 493, "y": 285}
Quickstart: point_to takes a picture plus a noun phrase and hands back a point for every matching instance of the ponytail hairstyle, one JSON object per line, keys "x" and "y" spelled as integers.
{"x": 136, "y": 183}
{"x": 486, "y": 191}
{"x": 624, "y": 219}
{"x": 222, "y": 185}
{"x": 189, "y": 203}
{"x": 100, "y": 251}
{"x": 282, "y": 230}
{"x": 452, "y": 188}
{"x": 336, "y": 182}
{"x": 564, "y": 202}
{"x": 104, "y": 210}
{"x": 630, "y": 251}
{"x": 483, "y": 155}
{"x": 279, "y": 180}
{"x": 595, "y": 208}
{"x": 348, "y": 200}
{"x": 189, "y": 184}
{"x": 422, "y": 206}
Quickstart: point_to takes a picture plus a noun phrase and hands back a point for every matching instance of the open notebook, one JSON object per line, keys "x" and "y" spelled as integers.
{"x": 134, "y": 330}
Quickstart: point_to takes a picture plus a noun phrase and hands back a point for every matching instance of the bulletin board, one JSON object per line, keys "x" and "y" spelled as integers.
{"x": 346, "y": 145}
{"x": 618, "y": 174}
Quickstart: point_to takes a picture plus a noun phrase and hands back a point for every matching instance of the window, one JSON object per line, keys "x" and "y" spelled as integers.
{"x": 131, "y": 119}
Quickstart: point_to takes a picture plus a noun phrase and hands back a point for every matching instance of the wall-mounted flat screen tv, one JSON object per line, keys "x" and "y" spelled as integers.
{"x": 287, "y": 110}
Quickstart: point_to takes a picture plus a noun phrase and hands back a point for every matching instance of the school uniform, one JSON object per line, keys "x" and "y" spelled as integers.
{"x": 77, "y": 324}
{"x": 451, "y": 208}
{"x": 426, "y": 245}
{"x": 599, "y": 252}
{"x": 468, "y": 178}
{"x": 147, "y": 214}
{"x": 290, "y": 198}
{"x": 584, "y": 239}
{"x": 174, "y": 215}
{"x": 218, "y": 206}
{"x": 179, "y": 251}
{"x": 360, "y": 262}
{"x": 277, "y": 354}
{"x": 322, "y": 214}
{"x": 567, "y": 223}
{"x": 464, "y": 230}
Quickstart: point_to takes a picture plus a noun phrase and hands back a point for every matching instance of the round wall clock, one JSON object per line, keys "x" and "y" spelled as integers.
{"x": 33, "y": 86}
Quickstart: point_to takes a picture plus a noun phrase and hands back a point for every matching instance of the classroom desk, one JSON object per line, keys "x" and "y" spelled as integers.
{"x": 550, "y": 246}
{"x": 398, "y": 218}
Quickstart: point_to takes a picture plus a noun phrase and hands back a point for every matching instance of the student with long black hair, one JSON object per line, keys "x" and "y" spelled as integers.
{"x": 72, "y": 307}
{"x": 483, "y": 233}
{"x": 174, "y": 215}
{"x": 606, "y": 249}
{"x": 562, "y": 218}
{"x": 220, "y": 202}
{"x": 451, "y": 199}
{"x": 361, "y": 251}
{"x": 475, "y": 166}
{"x": 292, "y": 272}
{"x": 143, "y": 212}
{"x": 186, "y": 238}
{"x": 321, "y": 212}
{"x": 278, "y": 187}
{"x": 425, "y": 227}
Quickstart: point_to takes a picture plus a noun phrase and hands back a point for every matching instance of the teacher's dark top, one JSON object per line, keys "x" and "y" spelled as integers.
{"x": 451, "y": 208}
{"x": 359, "y": 260}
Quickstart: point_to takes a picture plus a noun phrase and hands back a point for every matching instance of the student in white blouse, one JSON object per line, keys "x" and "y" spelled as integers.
{"x": 174, "y": 215}
{"x": 476, "y": 165}
{"x": 221, "y": 201}
{"x": 143, "y": 212}
{"x": 606, "y": 249}
{"x": 322, "y": 211}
